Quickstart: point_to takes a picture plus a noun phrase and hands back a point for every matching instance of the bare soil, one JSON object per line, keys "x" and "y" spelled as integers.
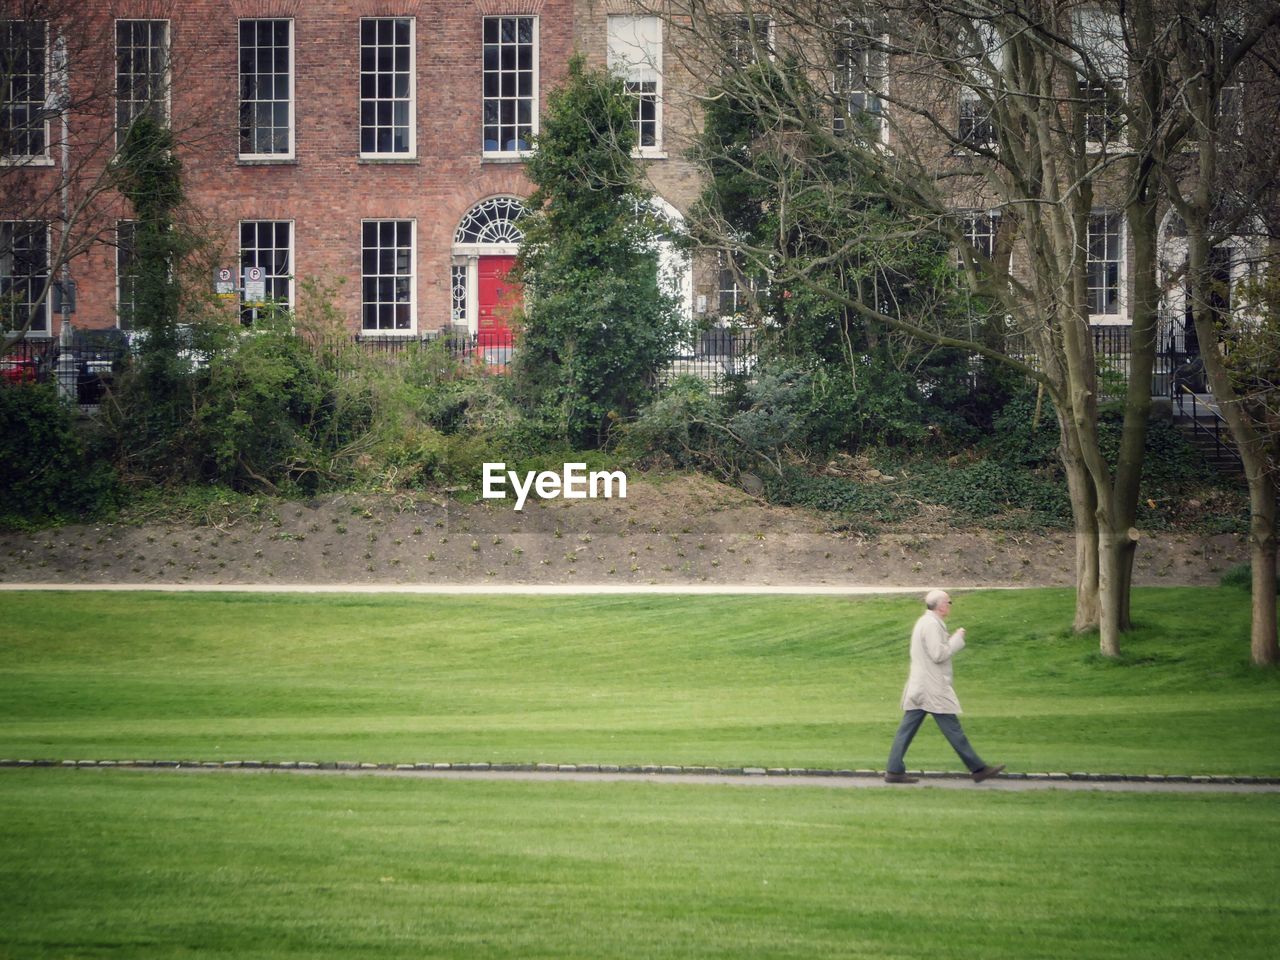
{"x": 677, "y": 530}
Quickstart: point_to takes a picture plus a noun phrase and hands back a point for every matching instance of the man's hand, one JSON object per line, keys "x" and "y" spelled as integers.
{"x": 959, "y": 634}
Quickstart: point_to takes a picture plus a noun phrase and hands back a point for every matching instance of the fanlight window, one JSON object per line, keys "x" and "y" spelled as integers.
{"x": 492, "y": 221}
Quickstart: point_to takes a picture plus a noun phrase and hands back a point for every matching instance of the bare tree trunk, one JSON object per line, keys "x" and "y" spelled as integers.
{"x": 1253, "y": 453}
{"x": 1116, "y": 548}
{"x": 1263, "y": 647}
{"x": 1141, "y": 214}
{"x": 1084, "y": 512}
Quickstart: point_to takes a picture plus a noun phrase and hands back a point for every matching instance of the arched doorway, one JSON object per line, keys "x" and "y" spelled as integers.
{"x": 484, "y": 250}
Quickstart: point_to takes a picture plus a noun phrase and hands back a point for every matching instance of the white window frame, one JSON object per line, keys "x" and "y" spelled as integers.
{"x": 745, "y": 53}
{"x": 292, "y": 100}
{"x": 969, "y": 219}
{"x": 46, "y": 306}
{"x": 460, "y": 284}
{"x": 984, "y": 66}
{"x": 844, "y": 96}
{"x": 968, "y": 97}
{"x": 1229, "y": 109}
{"x": 536, "y": 85}
{"x": 1098, "y": 30}
{"x": 412, "y": 329}
{"x": 1094, "y": 107}
{"x": 743, "y": 289}
{"x": 166, "y": 45}
{"x": 625, "y": 68}
{"x": 1121, "y": 316}
{"x": 411, "y": 153}
{"x": 289, "y": 298}
{"x": 45, "y": 157}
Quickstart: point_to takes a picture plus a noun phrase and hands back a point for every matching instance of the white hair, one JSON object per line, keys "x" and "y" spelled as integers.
{"x": 933, "y": 598}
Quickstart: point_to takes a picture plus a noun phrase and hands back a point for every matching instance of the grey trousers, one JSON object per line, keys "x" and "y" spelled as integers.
{"x": 948, "y": 723}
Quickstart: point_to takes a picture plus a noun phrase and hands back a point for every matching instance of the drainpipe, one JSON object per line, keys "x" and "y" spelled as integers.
{"x": 60, "y": 102}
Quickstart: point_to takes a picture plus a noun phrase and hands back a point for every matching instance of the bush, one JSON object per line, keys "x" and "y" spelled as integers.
{"x": 859, "y": 503}
{"x": 681, "y": 426}
{"x": 1018, "y": 439}
{"x": 748, "y": 429}
{"x": 986, "y": 489}
{"x": 46, "y": 472}
{"x": 1241, "y": 578}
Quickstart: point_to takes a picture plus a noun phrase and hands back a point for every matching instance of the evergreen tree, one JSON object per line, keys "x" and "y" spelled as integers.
{"x": 598, "y": 319}
{"x": 151, "y": 180}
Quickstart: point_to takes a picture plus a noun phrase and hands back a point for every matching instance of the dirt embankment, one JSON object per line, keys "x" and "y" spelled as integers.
{"x": 680, "y": 530}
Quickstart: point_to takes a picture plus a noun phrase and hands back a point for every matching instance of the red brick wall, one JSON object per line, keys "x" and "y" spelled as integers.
{"x": 326, "y": 190}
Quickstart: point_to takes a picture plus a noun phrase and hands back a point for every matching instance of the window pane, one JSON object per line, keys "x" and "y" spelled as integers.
{"x": 264, "y": 83}
{"x": 386, "y": 115}
{"x": 508, "y": 82}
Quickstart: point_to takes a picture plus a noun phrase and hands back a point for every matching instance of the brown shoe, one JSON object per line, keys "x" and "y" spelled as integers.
{"x": 900, "y": 778}
{"x": 986, "y": 773}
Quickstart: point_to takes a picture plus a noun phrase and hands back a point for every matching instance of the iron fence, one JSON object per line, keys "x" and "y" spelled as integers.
{"x": 489, "y": 348}
{"x": 716, "y": 356}
{"x": 1113, "y": 355}
{"x": 83, "y": 368}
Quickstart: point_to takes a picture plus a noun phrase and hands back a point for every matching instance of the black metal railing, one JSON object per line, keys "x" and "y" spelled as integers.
{"x": 716, "y": 356}
{"x": 1207, "y": 422}
{"x": 1113, "y": 355}
{"x": 83, "y": 367}
{"x": 490, "y": 348}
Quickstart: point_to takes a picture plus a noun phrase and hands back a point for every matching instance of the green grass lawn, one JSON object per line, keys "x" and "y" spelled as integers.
{"x": 248, "y": 866}
{"x": 728, "y": 681}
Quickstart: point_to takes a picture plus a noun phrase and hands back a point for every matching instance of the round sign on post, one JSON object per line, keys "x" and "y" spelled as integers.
{"x": 255, "y": 287}
{"x": 224, "y": 283}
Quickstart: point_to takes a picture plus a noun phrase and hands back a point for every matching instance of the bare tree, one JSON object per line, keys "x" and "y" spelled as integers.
{"x": 1052, "y": 118}
{"x": 1227, "y": 185}
{"x": 73, "y": 79}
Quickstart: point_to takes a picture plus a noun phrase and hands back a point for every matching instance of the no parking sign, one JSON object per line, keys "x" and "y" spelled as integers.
{"x": 255, "y": 287}
{"x": 224, "y": 283}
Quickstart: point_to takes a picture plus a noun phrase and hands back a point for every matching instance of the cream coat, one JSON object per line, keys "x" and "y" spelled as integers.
{"x": 929, "y": 683}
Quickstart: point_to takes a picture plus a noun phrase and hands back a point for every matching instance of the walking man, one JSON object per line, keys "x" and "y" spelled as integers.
{"x": 928, "y": 691}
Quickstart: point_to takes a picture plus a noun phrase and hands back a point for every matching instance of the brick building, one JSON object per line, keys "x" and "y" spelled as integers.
{"x": 378, "y": 144}
{"x": 375, "y": 144}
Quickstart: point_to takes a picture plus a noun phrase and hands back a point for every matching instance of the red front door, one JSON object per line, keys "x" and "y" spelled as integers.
{"x": 499, "y": 298}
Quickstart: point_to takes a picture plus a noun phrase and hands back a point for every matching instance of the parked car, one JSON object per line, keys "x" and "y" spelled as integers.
{"x": 91, "y": 362}
{"x": 28, "y": 361}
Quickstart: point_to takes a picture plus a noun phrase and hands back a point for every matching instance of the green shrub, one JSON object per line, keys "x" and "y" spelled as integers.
{"x": 1019, "y": 438}
{"x": 1241, "y": 577}
{"x": 271, "y": 414}
{"x": 678, "y": 426}
{"x": 984, "y": 490}
{"x": 46, "y": 472}
{"x": 426, "y": 457}
{"x": 859, "y": 503}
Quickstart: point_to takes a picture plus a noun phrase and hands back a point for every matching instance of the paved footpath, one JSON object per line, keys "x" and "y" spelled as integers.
{"x": 669, "y": 775}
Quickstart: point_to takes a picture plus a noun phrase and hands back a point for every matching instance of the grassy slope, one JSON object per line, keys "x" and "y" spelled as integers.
{"x": 711, "y": 680}
{"x": 271, "y": 866}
